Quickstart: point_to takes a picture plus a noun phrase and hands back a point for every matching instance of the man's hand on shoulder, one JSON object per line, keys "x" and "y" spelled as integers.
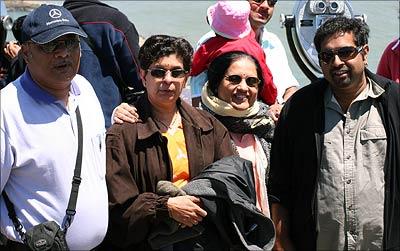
{"x": 124, "y": 113}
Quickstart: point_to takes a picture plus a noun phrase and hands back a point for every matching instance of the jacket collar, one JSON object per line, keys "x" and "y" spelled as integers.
{"x": 381, "y": 81}
{"x": 71, "y": 4}
{"x": 190, "y": 117}
{"x": 321, "y": 85}
{"x": 83, "y": 1}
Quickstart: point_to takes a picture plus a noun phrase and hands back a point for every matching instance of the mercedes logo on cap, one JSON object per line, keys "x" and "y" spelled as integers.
{"x": 55, "y": 13}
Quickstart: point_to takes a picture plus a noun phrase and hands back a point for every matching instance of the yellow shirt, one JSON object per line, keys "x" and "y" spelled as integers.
{"x": 177, "y": 152}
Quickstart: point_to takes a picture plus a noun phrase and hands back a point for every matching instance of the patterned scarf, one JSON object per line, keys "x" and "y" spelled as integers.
{"x": 253, "y": 120}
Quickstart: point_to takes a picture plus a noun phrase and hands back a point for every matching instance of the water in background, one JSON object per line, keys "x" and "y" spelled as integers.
{"x": 187, "y": 19}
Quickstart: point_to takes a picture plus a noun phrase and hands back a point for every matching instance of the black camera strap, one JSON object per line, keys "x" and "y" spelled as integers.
{"x": 76, "y": 181}
{"x": 13, "y": 216}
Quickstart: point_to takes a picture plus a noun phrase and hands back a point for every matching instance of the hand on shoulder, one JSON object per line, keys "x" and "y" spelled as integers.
{"x": 124, "y": 113}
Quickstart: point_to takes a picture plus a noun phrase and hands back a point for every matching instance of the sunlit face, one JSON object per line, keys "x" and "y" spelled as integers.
{"x": 344, "y": 74}
{"x": 241, "y": 96}
{"x": 53, "y": 70}
{"x": 164, "y": 91}
{"x": 260, "y": 13}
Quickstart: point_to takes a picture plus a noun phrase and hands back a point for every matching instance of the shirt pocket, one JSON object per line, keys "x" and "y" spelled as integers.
{"x": 98, "y": 153}
{"x": 373, "y": 143}
{"x": 372, "y": 133}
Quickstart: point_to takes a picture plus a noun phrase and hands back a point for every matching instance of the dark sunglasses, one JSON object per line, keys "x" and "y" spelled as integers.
{"x": 270, "y": 2}
{"x": 250, "y": 81}
{"x": 344, "y": 53}
{"x": 69, "y": 44}
{"x": 160, "y": 72}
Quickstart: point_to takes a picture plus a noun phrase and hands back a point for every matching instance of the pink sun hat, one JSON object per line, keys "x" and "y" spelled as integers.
{"x": 230, "y": 19}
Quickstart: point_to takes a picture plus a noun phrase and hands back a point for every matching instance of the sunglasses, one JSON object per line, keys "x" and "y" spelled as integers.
{"x": 270, "y": 2}
{"x": 69, "y": 44}
{"x": 160, "y": 73}
{"x": 250, "y": 81}
{"x": 344, "y": 53}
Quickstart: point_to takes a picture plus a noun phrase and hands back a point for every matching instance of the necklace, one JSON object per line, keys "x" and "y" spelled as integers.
{"x": 173, "y": 123}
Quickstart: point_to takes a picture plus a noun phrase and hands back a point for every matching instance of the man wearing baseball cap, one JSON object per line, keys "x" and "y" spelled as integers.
{"x": 40, "y": 117}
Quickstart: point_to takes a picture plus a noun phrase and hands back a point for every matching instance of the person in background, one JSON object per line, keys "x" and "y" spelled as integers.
{"x": 261, "y": 12}
{"x": 230, "y": 21}
{"x": 389, "y": 64}
{"x": 171, "y": 141}
{"x": 4, "y": 59}
{"x": 234, "y": 81}
{"x": 109, "y": 54}
{"x": 17, "y": 28}
{"x": 11, "y": 50}
{"x": 39, "y": 138}
{"x": 335, "y": 158}
{"x": 17, "y": 63}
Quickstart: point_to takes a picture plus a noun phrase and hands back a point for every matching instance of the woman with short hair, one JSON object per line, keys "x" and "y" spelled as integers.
{"x": 171, "y": 141}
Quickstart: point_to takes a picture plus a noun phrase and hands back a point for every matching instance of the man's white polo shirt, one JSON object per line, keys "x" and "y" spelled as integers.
{"x": 38, "y": 153}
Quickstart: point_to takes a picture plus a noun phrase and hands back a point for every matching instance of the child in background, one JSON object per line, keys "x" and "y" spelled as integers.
{"x": 230, "y": 21}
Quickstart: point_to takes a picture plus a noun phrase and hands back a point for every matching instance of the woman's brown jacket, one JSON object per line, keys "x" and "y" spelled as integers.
{"x": 137, "y": 158}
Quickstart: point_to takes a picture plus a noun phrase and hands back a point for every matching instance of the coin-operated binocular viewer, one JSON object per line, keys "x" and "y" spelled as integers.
{"x": 301, "y": 26}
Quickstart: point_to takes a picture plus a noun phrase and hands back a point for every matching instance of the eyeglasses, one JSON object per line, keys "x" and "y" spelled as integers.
{"x": 270, "y": 2}
{"x": 69, "y": 44}
{"x": 160, "y": 72}
{"x": 344, "y": 53}
{"x": 250, "y": 81}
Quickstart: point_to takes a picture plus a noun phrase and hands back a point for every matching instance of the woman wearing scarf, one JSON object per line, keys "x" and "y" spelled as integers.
{"x": 234, "y": 81}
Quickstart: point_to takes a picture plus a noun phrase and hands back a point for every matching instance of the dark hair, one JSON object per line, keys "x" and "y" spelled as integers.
{"x": 17, "y": 28}
{"x": 342, "y": 24}
{"x": 219, "y": 66}
{"x": 158, "y": 46}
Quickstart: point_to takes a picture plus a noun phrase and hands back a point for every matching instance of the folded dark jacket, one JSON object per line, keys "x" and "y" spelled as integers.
{"x": 227, "y": 191}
